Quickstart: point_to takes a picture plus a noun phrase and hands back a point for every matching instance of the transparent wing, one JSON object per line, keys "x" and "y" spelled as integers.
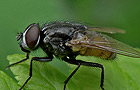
{"x": 106, "y": 30}
{"x": 104, "y": 42}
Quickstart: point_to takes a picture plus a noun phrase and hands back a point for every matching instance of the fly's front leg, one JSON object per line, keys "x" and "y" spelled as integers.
{"x": 90, "y": 64}
{"x": 41, "y": 59}
{"x": 27, "y": 57}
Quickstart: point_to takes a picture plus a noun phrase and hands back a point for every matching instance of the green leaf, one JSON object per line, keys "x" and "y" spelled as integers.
{"x": 120, "y": 74}
{"x": 45, "y": 76}
{"x": 7, "y": 83}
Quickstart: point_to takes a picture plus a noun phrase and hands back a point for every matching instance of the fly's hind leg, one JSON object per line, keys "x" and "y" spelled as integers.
{"x": 90, "y": 64}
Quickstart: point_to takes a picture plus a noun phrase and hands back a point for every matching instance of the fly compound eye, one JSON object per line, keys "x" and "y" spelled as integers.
{"x": 31, "y": 37}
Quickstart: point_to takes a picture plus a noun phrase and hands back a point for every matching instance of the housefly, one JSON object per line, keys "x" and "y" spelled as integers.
{"x": 66, "y": 40}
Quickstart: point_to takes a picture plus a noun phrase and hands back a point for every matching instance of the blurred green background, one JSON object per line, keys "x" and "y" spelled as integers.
{"x": 16, "y": 15}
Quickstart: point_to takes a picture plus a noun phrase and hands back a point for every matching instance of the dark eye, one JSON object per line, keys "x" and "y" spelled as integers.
{"x": 31, "y": 36}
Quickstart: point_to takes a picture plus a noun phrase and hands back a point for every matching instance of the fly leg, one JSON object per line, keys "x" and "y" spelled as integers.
{"x": 70, "y": 76}
{"x": 27, "y": 57}
{"x": 90, "y": 64}
{"x": 41, "y": 59}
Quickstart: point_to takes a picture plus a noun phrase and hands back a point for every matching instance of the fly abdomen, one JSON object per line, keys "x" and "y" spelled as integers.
{"x": 85, "y": 51}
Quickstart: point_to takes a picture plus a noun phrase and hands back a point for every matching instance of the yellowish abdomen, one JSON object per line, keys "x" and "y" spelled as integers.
{"x": 94, "y": 52}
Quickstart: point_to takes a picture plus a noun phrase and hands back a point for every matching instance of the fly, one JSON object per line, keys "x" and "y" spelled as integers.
{"x": 66, "y": 40}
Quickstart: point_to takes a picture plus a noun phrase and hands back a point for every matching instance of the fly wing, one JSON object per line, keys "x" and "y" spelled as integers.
{"x": 106, "y": 30}
{"x": 103, "y": 42}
